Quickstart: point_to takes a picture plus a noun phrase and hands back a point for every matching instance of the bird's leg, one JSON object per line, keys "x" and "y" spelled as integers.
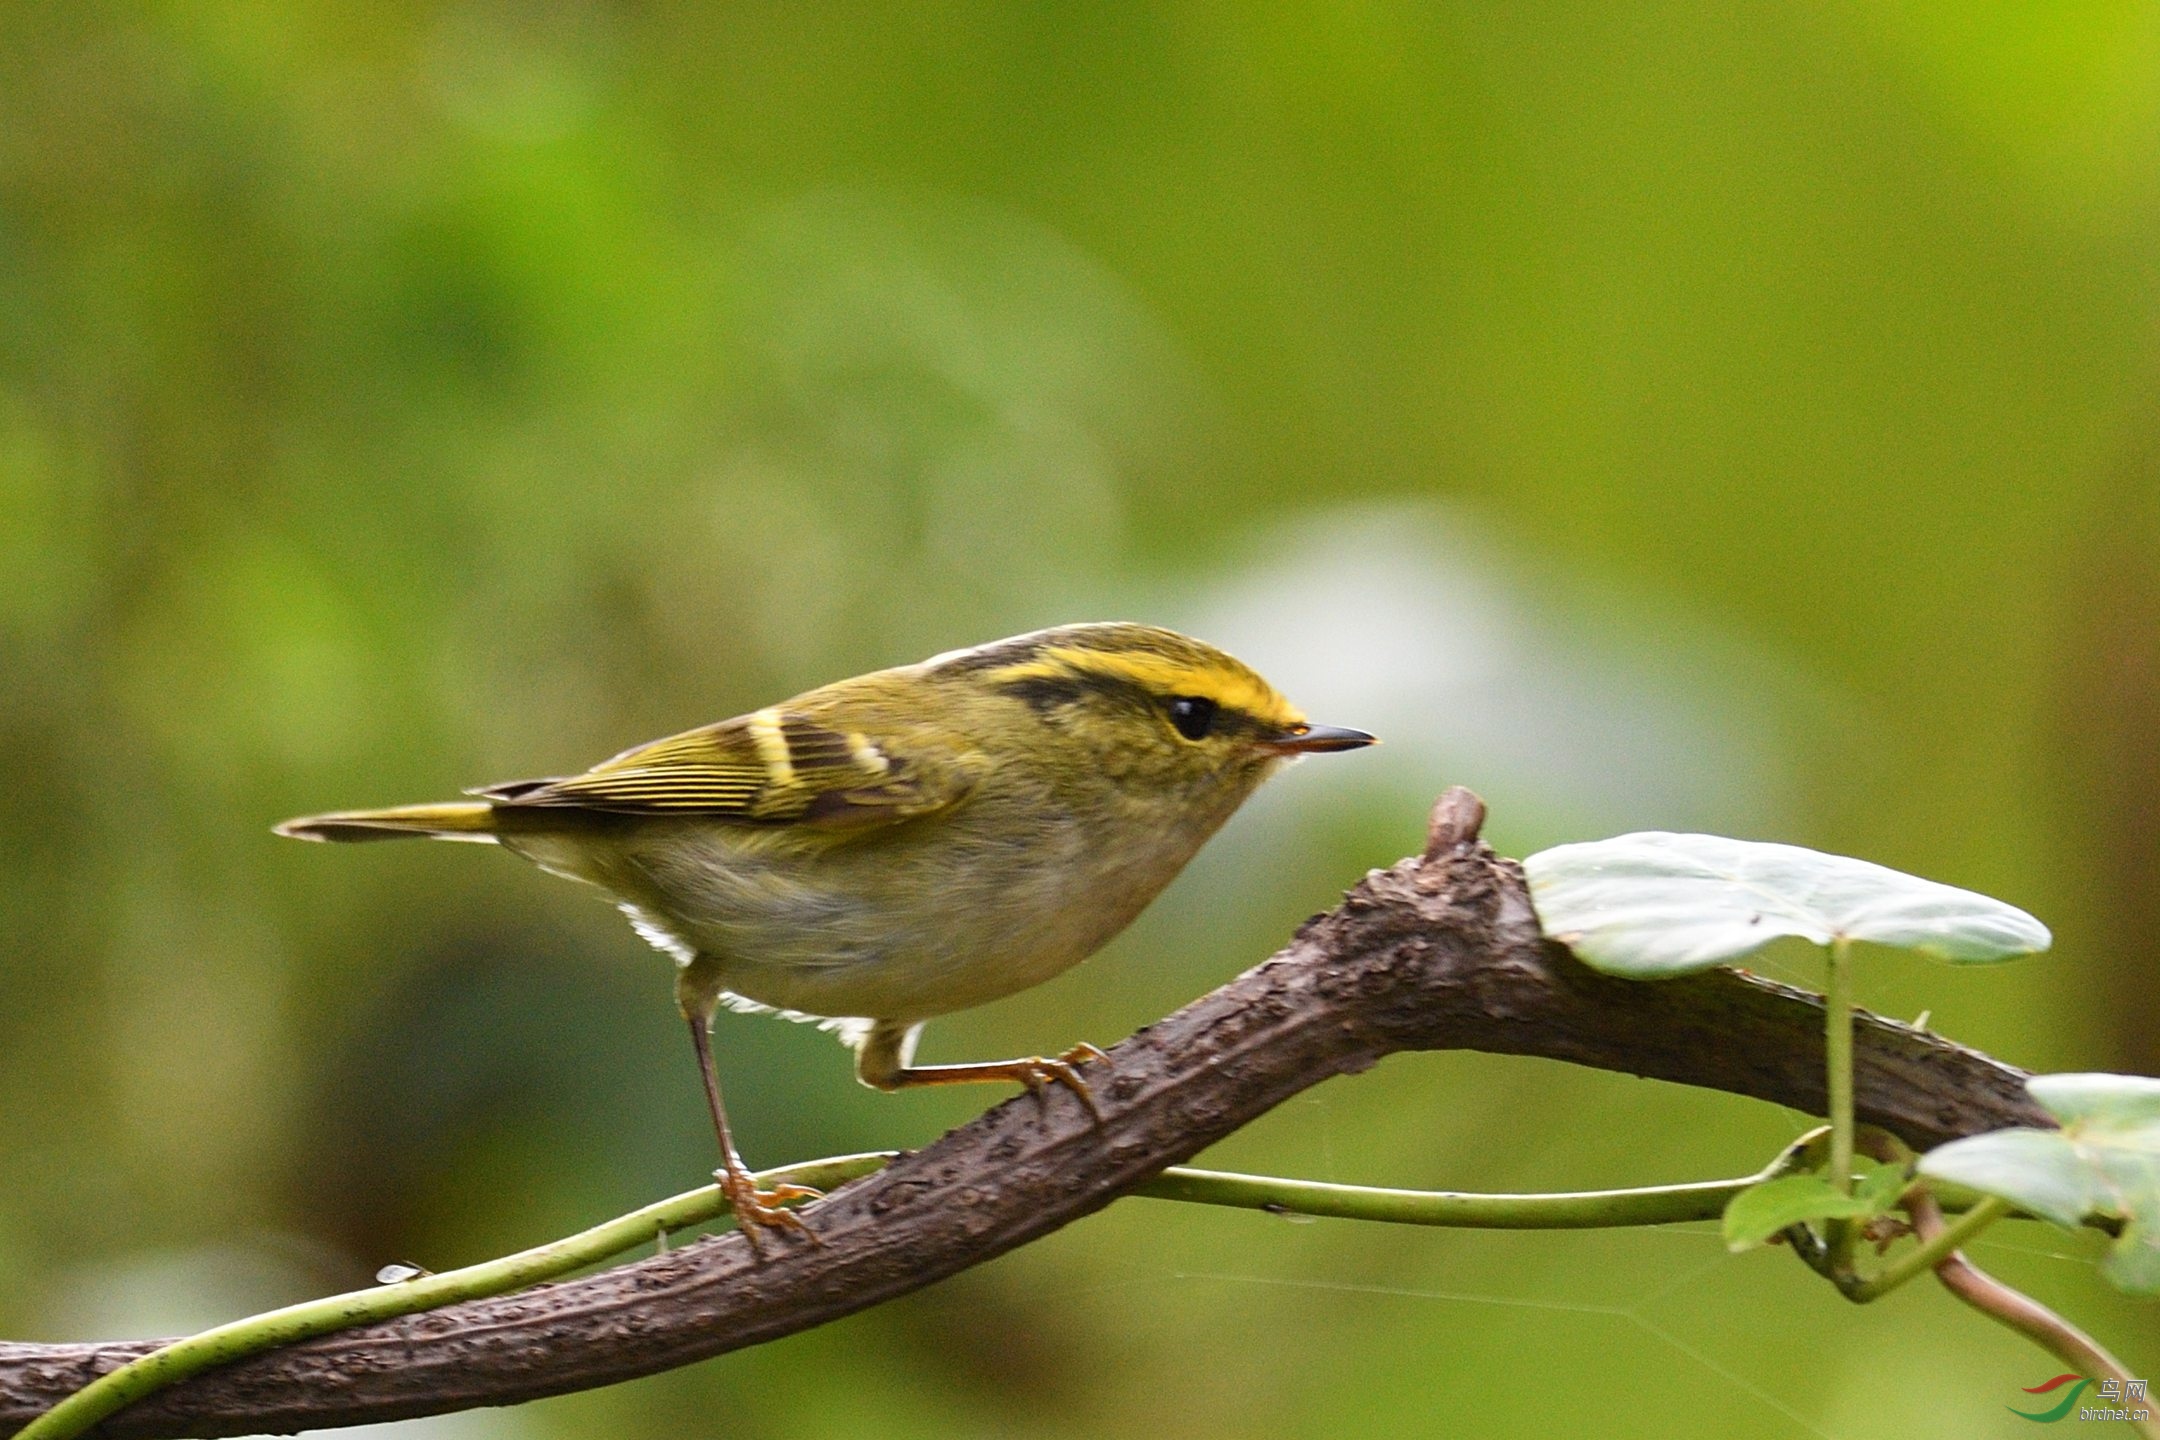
{"x": 885, "y": 1061}
{"x": 697, "y": 992}
{"x": 754, "y": 1209}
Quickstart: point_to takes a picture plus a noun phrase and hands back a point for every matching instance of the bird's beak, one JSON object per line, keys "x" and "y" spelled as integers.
{"x": 1317, "y": 739}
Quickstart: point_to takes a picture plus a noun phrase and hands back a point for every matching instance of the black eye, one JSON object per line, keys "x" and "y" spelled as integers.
{"x": 1193, "y": 716}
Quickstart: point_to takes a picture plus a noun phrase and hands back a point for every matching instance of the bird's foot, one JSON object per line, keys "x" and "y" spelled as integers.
{"x": 757, "y": 1211}
{"x": 1036, "y": 1072}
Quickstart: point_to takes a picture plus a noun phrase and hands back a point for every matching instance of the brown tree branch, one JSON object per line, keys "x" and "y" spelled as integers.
{"x": 1440, "y": 952}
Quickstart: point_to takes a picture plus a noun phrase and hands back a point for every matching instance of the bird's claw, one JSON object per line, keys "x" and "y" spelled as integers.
{"x": 758, "y": 1210}
{"x": 1039, "y": 1072}
{"x": 786, "y": 1191}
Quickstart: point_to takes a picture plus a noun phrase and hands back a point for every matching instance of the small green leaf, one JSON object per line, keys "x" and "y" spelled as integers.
{"x": 1761, "y": 1211}
{"x": 1880, "y": 1185}
{"x": 2105, "y": 1161}
{"x": 1653, "y": 905}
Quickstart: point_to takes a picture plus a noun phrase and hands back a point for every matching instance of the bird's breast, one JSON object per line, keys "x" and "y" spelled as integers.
{"x": 917, "y": 921}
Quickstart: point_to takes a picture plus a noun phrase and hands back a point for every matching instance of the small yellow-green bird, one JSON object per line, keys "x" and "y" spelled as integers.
{"x": 903, "y": 844}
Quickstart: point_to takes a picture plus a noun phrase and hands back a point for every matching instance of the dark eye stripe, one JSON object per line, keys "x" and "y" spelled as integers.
{"x": 1044, "y": 693}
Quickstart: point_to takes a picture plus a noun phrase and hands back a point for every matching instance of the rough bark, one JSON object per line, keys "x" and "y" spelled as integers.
{"x": 1439, "y": 952}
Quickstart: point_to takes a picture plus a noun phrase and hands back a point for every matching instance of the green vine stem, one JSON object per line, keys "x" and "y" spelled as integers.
{"x": 2016, "y": 1309}
{"x": 1977, "y": 1212}
{"x": 185, "y": 1358}
{"x": 1580, "y": 1210}
{"x": 1931, "y": 1252}
{"x": 1838, "y": 1048}
{"x": 238, "y": 1339}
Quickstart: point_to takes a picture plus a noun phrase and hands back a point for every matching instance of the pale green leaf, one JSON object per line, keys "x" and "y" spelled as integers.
{"x": 1655, "y": 904}
{"x": 2103, "y": 1163}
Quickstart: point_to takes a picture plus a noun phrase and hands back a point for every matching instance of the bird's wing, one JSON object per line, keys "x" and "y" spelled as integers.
{"x": 774, "y": 767}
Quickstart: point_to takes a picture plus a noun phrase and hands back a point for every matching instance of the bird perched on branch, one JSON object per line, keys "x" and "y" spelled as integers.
{"x": 904, "y": 844}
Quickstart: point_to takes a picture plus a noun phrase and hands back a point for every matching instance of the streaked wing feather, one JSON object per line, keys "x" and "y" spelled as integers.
{"x": 772, "y": 767}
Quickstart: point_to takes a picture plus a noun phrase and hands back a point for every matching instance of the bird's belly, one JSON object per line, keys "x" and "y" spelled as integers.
{"x": 887, "y": 933}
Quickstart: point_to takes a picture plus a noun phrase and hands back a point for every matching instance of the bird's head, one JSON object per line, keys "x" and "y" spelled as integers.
{"x": 1149, "y": 709}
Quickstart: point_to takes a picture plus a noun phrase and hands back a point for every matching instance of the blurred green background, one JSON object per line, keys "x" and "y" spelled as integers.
{"x": 1656, "y": 415}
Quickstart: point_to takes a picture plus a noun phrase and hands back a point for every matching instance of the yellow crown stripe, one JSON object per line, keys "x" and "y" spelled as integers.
{"x": 1239, "y": 690}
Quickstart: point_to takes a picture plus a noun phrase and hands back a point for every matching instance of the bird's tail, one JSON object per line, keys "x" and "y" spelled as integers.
{"x": 451, "y": 820}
